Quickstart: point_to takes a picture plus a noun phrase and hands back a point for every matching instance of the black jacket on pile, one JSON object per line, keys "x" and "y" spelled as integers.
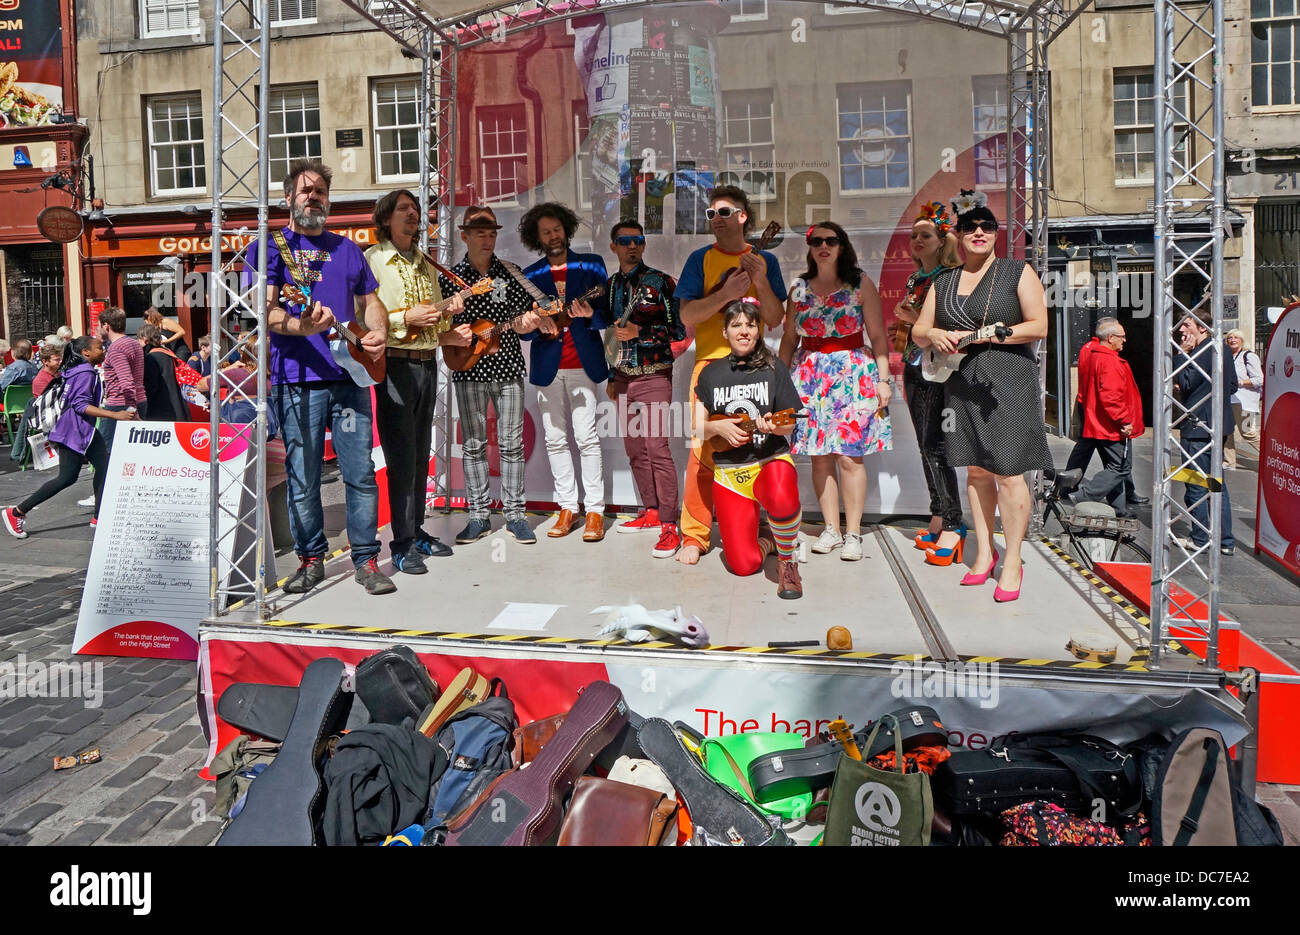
{"x": 1194, "y": 389}
{"x": 378, "y": 782}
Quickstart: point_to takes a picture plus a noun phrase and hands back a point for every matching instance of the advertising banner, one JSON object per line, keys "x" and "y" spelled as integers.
{"x": 31, "y": 63}
{"x": 1278, "y": 504}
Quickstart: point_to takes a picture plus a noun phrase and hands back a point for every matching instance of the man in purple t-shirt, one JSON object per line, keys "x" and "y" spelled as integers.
{"x": 309, "y": 390}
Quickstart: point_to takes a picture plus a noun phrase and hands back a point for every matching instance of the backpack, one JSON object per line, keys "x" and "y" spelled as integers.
{"x": 46, "y": 408}
{"x": 478, "y": 743}
{"x": 235, "y": 768}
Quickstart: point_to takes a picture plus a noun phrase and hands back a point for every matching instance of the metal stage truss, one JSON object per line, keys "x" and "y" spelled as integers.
{"x": 1187, "y": 35}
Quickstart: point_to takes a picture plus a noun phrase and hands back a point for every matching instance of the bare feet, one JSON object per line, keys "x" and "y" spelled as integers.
{"x": 689, "y": 554}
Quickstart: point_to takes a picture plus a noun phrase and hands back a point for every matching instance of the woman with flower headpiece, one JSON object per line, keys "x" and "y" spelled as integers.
{"x": 934, "y": 249}
{"x": 993, "y": 398}
{"x": 841, "y": 370}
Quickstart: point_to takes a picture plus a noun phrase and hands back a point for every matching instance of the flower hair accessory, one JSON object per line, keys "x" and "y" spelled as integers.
{"x": 968, "y": 200}
{"x": 936, "y": 214}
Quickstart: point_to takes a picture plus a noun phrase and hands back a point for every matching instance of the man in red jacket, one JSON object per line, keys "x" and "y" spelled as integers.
{"x": 1112, "y": 413}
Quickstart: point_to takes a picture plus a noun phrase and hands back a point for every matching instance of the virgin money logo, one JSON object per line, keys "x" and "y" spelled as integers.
{"x": 1288, "y": 366}
{"x": 877, "y": 807}
{"x": 200, "y": 438}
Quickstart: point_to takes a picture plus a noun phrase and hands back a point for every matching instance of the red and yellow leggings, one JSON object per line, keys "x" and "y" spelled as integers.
{"x": 738, "y": 492}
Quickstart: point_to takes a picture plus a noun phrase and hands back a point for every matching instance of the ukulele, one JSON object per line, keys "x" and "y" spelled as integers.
{"x": 765, "y": 240}
{"x": 345, "y": 343}
{"x": 487, "y": 333}
{"x": 642, "y": 293}
{"x": 839, "y": 729}
{"x": 937, "y": 367}
{"x": 482, "y": 287}
{"x": 777, "y": 419}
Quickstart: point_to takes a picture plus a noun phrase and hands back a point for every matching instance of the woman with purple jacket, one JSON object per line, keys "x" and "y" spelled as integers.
{"x": 74, "y": 434}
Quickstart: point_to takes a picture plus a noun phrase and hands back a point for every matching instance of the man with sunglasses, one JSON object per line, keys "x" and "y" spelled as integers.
{"x": 703, "y": 294}
{"x": 643, "y": 369}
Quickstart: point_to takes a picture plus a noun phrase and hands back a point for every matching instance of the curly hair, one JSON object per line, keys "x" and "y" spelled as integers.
{"x": 533, "y": 217}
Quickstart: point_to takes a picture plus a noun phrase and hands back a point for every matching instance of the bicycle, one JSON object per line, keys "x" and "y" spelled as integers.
{"x": 1091, "y": 537}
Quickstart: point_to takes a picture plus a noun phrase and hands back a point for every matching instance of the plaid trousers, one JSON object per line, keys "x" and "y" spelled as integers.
{"x": 508, "y": 399}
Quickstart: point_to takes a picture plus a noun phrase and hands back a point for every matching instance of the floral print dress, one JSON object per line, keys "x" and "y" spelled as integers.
{"x": 837, "y": 387}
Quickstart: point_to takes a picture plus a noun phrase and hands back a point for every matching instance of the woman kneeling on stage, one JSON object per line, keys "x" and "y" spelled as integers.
{"x": 993, "y": 310}
{"x": 735, "y": 401}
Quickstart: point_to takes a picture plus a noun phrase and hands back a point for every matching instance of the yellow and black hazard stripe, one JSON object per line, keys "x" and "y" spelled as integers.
{"x": 279, "y": 584}
{"x": 1140, "y": 635}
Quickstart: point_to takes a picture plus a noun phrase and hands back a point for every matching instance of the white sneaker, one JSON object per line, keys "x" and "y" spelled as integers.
{"x": 828, "y": 541}
{"x": 89, "y": 501}
{"x": 852, "y": 550}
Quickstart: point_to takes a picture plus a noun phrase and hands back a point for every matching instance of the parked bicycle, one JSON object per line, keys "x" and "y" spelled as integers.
{"x": 1089, "y": 537}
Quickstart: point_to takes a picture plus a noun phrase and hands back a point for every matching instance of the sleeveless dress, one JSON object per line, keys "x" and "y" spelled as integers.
{"x": 994, "y": 398}
{"x": 837, "y": 387}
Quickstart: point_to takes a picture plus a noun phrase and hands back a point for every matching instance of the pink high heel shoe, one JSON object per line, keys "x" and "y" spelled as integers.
{"x": 1003, "y": 597}
{"x": 973, "y": 579}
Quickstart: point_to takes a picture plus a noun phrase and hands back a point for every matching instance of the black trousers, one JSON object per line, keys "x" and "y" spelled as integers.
{"x": 1116, "y": 458}
{"x": 70, "y": 463}
{"x": 925, "y": 403}
{"x": 405, "y": 402}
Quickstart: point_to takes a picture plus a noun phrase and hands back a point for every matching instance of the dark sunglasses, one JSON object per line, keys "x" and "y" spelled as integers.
{"x": 627, "y": 240}
{"x": 831, "y": 241}
{"x": 988, "y": 227}
{"x": 724, "y": 212}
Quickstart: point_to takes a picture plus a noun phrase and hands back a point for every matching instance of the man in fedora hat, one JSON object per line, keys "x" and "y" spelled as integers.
{"x": 498, "y": 378}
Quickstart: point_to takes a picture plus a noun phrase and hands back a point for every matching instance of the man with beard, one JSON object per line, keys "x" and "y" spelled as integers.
{"x": 567, "y": 366}
{"x": 309, "y": 390}
{"x": 417, "y": 324}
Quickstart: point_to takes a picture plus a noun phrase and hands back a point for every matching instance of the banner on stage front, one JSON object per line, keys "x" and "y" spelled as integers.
{"x": 148, "y": 581}
{"x": 1278, "y": 504}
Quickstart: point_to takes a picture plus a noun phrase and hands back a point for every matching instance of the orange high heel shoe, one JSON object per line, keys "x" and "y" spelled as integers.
{"x": 945, "y": 557}
{"x": 924, "y": 539}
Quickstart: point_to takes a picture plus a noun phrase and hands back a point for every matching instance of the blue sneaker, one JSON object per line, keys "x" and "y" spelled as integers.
{"x": 520, "y": 529}
{"x": 474, "y": 530}
{"x": 431, "y": 545}
{"x": 410, "y": 562}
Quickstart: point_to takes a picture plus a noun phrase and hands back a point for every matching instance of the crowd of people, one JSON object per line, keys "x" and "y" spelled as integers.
{"x": 965, "y": 327}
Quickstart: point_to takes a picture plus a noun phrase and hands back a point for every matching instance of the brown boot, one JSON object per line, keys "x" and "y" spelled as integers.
{"x": 595, "y": 528}
{"x": 564, "y": 523}
{"x": 789, "y": 587}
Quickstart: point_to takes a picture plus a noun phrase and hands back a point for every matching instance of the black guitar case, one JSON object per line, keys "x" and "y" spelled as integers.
{"x": 285, "y": 803}
{"x": 778, "y": 775}
{"x": 263, "y": 710}
{"x": 723, "y": 816}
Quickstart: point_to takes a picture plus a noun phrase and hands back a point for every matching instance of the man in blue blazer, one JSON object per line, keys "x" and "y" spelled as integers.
{"x": 567, "y": 365}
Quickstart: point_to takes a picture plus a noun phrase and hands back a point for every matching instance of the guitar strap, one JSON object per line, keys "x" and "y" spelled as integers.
{"x": 296, "y": 272}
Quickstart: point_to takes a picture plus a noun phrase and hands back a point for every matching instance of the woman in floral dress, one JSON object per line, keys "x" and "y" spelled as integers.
{"x": 834, "y": 317}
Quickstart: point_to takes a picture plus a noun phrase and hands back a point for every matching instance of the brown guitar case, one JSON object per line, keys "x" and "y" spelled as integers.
{"x": 524, "y": 807}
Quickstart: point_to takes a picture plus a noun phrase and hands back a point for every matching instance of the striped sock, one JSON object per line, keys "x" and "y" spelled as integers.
{"x": 786, "y": 534}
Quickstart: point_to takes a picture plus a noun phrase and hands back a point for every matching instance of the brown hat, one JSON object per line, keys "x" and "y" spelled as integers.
{"x": 481, "y": 219}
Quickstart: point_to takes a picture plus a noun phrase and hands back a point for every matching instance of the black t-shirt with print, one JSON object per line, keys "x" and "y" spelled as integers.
{"x": 726, "y": 389}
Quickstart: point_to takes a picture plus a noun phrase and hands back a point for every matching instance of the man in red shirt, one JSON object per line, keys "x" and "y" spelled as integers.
{"x": 1112, "y": 414}
{"x": 123, "y": 370}
{"x": 51, "y": 359}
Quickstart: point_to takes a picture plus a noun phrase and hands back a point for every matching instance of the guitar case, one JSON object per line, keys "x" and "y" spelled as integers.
{"x": 777, "y": 776}
{"x": 525, "y": 806}
{"x": 285, "y": 803}
{"x": 722, "y": 815}
{"x": 262, "y": 710}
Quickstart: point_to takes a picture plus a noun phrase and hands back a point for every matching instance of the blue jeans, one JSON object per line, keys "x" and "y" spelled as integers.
{"x": 304, "y": 410}
{"x": 1196, "y": 499}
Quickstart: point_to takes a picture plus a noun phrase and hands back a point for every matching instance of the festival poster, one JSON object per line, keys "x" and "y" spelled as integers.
{"x": 31, "y": 63}
{"x": 1278, "y": 504}
{"x": 149, "y": 577}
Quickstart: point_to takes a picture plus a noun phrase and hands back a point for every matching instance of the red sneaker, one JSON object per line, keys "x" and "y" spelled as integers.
{"x": 670, "y": 540}
{"x": 14, "y": 524}
{"x": 646, "y": 520}
{"x": 94, "y": 521}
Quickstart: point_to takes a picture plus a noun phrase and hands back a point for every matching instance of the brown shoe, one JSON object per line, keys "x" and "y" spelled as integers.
{"x": 595, "y": 529}
{"x": 789, "y": 586}
{"x": 564, "y": 523}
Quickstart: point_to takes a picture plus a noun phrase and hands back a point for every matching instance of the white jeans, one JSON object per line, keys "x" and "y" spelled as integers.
{"x": 573, "y": 390}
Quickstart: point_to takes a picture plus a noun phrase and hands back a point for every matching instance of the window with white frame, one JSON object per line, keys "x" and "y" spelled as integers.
{"x": 582, "y": 177}
{"x": 749, "y": 149}
{"x": 289, "y": 12}
{"x": 293, "y": 127}
{"x": 176, "y": 164}
{"x": 395, "y": 116}
{"x": 875, "y": 136}
{"x": 833, "y": 9}
{"x": 503, "y": 152}
{"x": 745, "y": 10}
{"x": 989, "y": 123}
{"x": 168, "y": 18}
{"x": 1135, "y": 134}
{"x": 1274, "y": 53}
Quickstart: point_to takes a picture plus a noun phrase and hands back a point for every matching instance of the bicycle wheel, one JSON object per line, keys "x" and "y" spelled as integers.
{"x": 1110, "y": 547}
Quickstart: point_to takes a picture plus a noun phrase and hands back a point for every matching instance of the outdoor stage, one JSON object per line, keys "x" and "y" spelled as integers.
{"x": 989, "y": 668}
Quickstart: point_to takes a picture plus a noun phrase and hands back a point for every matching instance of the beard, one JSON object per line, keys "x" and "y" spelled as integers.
{"x": 308, "y": 217}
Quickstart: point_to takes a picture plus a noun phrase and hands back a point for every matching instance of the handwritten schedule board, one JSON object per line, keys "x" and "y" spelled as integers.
{"x": 149, "y": 576}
